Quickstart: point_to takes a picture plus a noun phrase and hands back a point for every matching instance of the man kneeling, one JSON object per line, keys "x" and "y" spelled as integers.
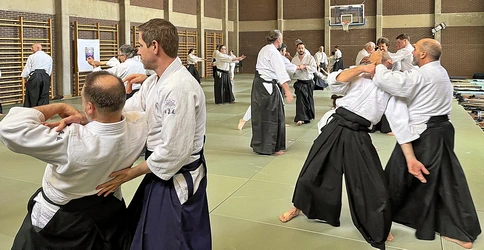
{"x": 66, "y": 212}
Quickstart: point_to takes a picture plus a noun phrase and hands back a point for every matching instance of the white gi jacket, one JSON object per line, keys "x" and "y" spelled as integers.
{"x": 175, "y": 107}
{"x": 362, "y": 54}
{"x": 420, "y": 94}
{"x": 38, "y": 60}
{"x": 126, "y": 68}
{"x": 311, "y": 68}
{"x": 193, "y": 59}
{"x": 402, "y": 59}
{"x": 361, "y": 96}
{"x": 79, "y": 157}
{"x": 270, "y": 65}
{"x": 321, "y": 57}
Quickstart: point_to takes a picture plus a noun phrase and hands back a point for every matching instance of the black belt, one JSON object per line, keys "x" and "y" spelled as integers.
{"x": 436, "y": 121}
{"x": 223, "y": 71}
{"x": 351, "y": 120}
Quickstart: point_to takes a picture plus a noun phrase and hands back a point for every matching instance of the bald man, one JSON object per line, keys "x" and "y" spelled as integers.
{"x": 37, "y": 72}
{"x": 66, "y": 212}
{"x": 438, "y": 198}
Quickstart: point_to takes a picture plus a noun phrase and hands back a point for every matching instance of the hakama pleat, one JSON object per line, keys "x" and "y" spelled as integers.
{"x": 268, "y": 118}
{"x": 191, "y": 68}
{"x": 91, "y": 222}
{"x": 165, "y": 223}
{"x": 344, "y": 146}
{"x": 443, "y": 204}
{"x": 223, "y": 88}
{"x": 304, "y": 100}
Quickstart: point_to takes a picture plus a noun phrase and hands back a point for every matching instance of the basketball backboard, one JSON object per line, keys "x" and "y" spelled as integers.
{"x": 354, "y": 14}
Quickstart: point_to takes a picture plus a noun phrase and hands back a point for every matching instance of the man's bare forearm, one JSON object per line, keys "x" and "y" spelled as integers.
{"x": 348, "y": 74}
{"x": 52, "y": 109}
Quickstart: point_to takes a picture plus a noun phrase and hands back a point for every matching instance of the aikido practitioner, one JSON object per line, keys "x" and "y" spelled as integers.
{"x": 66, "y": 212}
{"x": 192, "y": 59}
{"x": 267, "y": 108}
{"x": 222, "y": 87}
{"x": 36, "y": 73}
{"x": 345, "y": 147}
{"x": 169, "y": 209}
{"x": 427, "y": 184}
{"x": 304, "y": 85}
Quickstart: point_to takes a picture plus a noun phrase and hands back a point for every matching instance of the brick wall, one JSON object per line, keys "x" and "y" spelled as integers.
{"x": 257, "y": 10}
{"x": 13, "y": 32}
{"x": 185, "y": 6}
{"x": 452, "y": 6}
{"x": 312, "y": 39}
{"x": 89, "y": 35}
{"x": 303, "y": 9}
{"x": 414, "y": 33}
{"x": 250, "y": 44}
{"x": 351, "y": 43}
{"x": 463, "y": 50}
{"x": 213, "y": 8}
{"x": 154, "y": 4}
{"x": 408, "y": 7}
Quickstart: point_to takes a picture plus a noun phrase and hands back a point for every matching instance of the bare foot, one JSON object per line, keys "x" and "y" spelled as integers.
{"x": 287, "y": 125}
{"x": 390, "y": 134}
{"x": 390, "y": 237}
{"x": 299, "y": 123}
{"x": 466, "y": 245}
{"x": 280, "y": 152}
{"x": 241, "y": 124}
{"x": 287, "y": 216}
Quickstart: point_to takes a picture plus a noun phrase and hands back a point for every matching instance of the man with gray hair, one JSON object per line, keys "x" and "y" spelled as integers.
{"x": 365, "y": 53}
{"x": 128, "y": 64}
{"x": 66, "y": 212}
{"x": 268, "y": 118}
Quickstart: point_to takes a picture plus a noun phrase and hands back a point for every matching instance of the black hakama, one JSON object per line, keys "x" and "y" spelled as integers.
{"x": 222, "y": 88}
{"x": 304, "y": 100}
{"x": 91, "y": 222}
{"x": 319, "y": 83}
{"x": 344, "y": 146}
{"x": 37, "y": 89}
{"x": 338, "y": 65}
{"x": 383, "y": 125}
{"x": 268, "y": 118}
{"x": 443, "y": 204}
{"x": 191, "y": 68}
{"x": 162, "y": 222}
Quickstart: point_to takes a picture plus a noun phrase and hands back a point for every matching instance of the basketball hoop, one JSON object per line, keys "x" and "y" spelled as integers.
{"x": 346, "y": 26}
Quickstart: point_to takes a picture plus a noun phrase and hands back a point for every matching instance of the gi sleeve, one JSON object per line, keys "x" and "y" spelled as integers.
{"x": 22, "y": 132}
{"x": 400, "y": 55}
{"x": 338, "y": 88}
{"x": 138, "y": 101}
{"x": 177, "y": 114}
{"x": 396, "y": 83}
{"x": 27, "y": 68}
{"x": 398, "y": 118}
{"x": 49, "y": 69}
{"x": 311, "y": 66}
{"x": 278, "y": 65}
{"x": 290, "y": 67}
